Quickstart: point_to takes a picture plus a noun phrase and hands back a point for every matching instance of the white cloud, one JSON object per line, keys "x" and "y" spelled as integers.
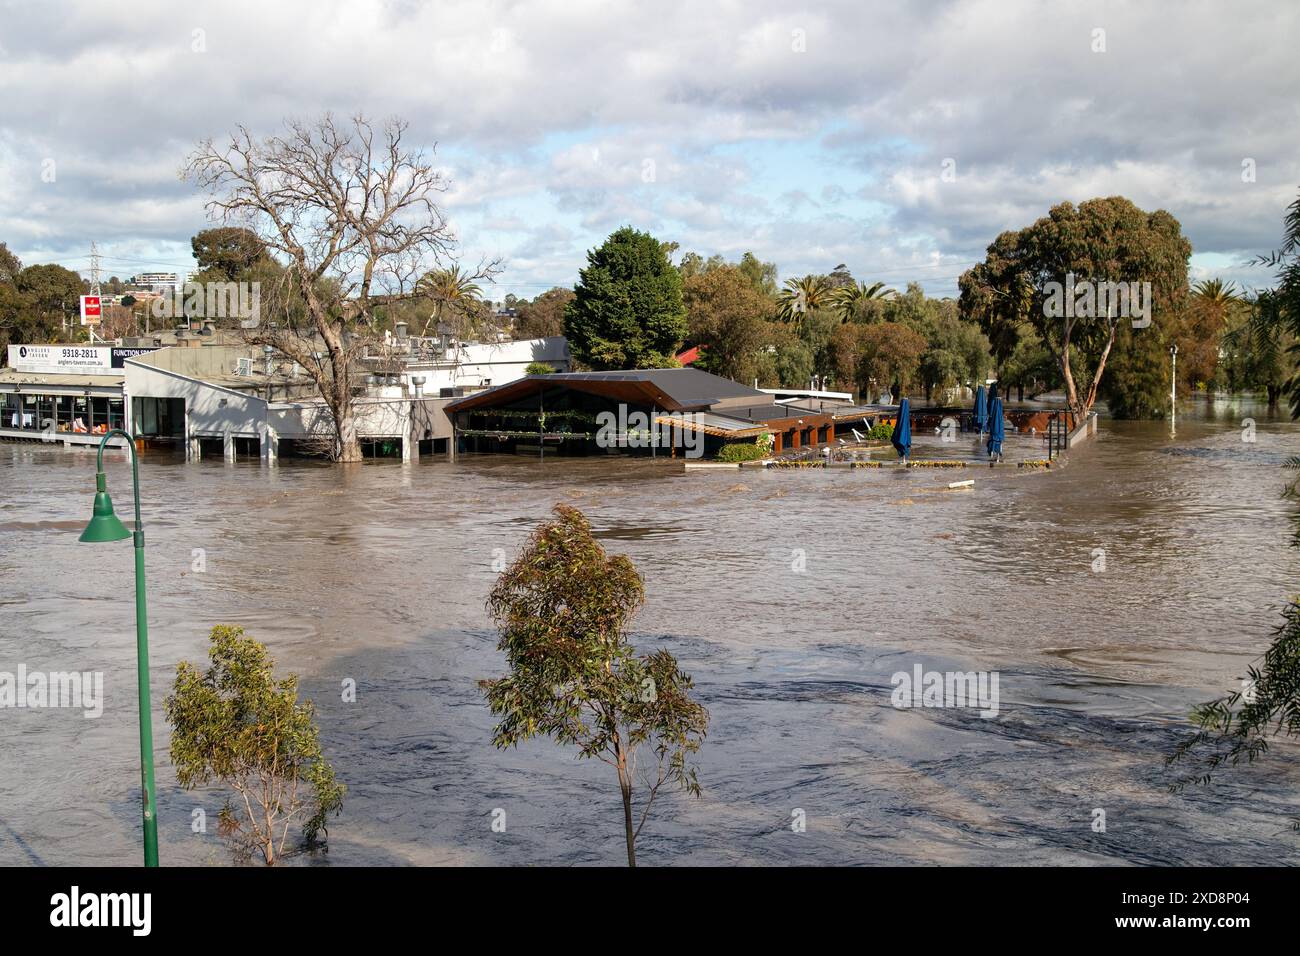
{"x": 546, "y": 114}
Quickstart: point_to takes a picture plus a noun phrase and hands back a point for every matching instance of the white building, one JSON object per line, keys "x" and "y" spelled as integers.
{"x": 446, "y": 368}
{"x": 155, "y": 281}
{"x": 216, "y": 395}
{"x": 225, "y": 400}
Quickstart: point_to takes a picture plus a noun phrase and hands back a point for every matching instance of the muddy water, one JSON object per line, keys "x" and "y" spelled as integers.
{"x": 378, "y": 573}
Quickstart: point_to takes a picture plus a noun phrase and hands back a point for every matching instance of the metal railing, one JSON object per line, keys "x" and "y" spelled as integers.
{"x": 1057, "y": 432}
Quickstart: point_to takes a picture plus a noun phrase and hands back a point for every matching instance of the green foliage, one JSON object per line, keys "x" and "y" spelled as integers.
{"x": 726, "y": 318}
{"x": 1137, "y": 378}
{"x": 1101, "y": 240}
{"x": 785, "y": 360}
{"x": 1210, "y": 309}
{"x": 816, "y": 331}
{"x": 627, "y": 310}
{"x": 1030, "y": 366}
{"x": 741, "y": 451}
{"x": 538, "y": 368}
{"x": 1278, "y": 317}
{"x": 798, "y": 297}
{"x": 760, "y": 275}
{"x": 10, "y": 266}
{"x": 888, "y": 353}
{"x": 457, "y": 302}
{"x": 956, "y": 352}
{"x": 908, "y": 338}
{"x": 227, "y": 253}
{"x": 52, "y": 289}
{"x": 562, "y": 609}
{"x": 849, "y": 299}
{"x": 36, "y": 301}
{"x": 881, "y": 432}
{"x": 235, "y": 723}
{"x": 1256, "y": 347}
{"x": 1237, "y": 727}
{"x": 544, "y": 316}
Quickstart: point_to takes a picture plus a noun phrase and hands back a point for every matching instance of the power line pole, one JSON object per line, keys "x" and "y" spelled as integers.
{"x": 94, "y": 287}
{"x": 94, "y": 268}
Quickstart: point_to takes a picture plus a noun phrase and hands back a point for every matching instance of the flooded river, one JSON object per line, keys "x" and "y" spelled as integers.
{"x": 791, "y": 597}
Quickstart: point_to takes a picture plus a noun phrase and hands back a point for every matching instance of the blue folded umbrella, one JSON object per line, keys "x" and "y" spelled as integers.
{"x": 902, "y": 437}
{"x": 981, "y": 409}
{"x": 997, "y": 429}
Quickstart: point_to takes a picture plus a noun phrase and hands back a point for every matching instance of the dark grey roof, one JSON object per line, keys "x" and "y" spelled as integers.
{"x": 765, "y": 411}
{"x": 687, "y": 386}
{"x": 668, "y": 389}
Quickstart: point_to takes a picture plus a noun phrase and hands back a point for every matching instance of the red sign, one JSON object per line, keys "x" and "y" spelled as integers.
{"x": 90, "y": 312}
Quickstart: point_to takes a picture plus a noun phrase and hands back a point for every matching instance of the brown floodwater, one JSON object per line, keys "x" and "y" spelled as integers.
{"x": 378, "y": 573}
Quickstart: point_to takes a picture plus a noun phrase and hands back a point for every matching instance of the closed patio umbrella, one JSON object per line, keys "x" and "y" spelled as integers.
{"x": 981, "y": 409}
{"x": 997, "y": 430}
{"x": 902, "y": 437}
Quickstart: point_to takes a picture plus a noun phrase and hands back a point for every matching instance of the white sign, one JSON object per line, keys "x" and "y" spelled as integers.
{"x": 62, "y": 359}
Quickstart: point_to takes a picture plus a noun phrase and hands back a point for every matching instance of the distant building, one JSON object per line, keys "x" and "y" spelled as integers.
{"x": 155, "y": 281}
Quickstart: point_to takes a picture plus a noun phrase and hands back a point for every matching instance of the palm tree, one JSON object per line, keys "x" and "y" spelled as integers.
{"x": 801, "y": 296}
{"x": 1212, "y": 301}
{"x": 454, "y": 293}
{"x": 1216, "y": 292}
{"x": 846, "y": 298}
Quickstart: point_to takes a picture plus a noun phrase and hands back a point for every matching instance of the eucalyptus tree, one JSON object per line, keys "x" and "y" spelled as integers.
{"x": 235, "y": 723}
{"x": 562, "y": 609}
{"x": 1099, "y": 243}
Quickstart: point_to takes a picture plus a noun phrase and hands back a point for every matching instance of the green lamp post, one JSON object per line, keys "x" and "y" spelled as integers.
{"x": 106, "y": 526}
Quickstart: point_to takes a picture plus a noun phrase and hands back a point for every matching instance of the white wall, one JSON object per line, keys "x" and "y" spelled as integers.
{"x": 493, "y": 362}
{"x": 210, "y": 410}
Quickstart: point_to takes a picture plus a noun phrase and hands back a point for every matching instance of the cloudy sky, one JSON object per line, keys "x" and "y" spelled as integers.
{"x": 896, "y": 138}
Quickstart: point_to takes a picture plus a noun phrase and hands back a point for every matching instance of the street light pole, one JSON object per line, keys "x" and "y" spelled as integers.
{"x": 106, "y": 526}
{"x": 1173, "y": 383}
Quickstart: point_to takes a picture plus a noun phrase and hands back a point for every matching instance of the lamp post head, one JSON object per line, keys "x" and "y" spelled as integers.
{"x": 104, "y": 524}
{"x": 1173, "y": 349}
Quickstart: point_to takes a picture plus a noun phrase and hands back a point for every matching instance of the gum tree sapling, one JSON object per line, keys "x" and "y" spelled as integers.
{"x": 562, "y": 609}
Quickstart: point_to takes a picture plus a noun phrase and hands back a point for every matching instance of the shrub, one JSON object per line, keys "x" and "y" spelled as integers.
{"x": 740, "y": 451}
{"x": 237, "y": 724}
{"x": 882, "y": 432}
{"x": 538, "y": 368}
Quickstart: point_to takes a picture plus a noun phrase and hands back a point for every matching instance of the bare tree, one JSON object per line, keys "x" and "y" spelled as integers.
{"x": 350, "y": 209}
